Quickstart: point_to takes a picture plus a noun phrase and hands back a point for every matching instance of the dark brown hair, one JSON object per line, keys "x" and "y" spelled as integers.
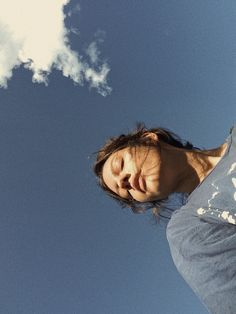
{"x": 133, "y": 139}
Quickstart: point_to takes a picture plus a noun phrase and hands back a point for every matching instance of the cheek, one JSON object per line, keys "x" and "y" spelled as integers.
{"x": 130, "y": 163}
{"x": 151, "y": 168}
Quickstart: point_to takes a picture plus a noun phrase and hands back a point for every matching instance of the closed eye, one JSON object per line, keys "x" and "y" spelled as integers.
{"x": 121, "y": 164}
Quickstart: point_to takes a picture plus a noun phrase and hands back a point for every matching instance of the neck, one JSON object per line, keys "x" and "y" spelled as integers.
{"x": 192, "y": 167}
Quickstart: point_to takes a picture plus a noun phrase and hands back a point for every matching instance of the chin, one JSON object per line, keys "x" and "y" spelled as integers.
{"x": 150, "y": 198}
{"x": 157, "y": 197}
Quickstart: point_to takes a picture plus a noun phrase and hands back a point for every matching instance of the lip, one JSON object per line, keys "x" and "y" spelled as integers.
{"x": 138, "y": 183}
{"x": 142, "y": 183}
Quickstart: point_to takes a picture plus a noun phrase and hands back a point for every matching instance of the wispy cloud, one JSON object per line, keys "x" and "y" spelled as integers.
{"x": 33, "y": 34}
{"x": 75, "y": 9}
{"x": 93, "y": 52}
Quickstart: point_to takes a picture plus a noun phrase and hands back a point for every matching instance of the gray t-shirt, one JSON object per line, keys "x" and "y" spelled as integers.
{"x": 202, "y": 236}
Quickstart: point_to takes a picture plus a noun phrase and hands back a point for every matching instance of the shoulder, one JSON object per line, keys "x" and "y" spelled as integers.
{"x": 205, "y": 255}
{"x": 191, "y": 236}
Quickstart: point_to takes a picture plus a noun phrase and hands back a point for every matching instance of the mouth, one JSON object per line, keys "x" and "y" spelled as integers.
{"x": 138, "y": 183}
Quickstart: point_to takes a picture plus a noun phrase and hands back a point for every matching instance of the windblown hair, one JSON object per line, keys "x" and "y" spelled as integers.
{"x": 133, "y": 139}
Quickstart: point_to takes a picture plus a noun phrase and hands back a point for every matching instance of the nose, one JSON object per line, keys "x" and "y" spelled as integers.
{"x": 123, "y": 181}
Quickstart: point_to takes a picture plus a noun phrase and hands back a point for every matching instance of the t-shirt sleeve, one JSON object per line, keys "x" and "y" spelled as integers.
{"x": 205, "y": 255}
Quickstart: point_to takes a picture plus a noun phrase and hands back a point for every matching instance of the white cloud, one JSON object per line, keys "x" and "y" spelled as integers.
{"x": 33, "y": 34}
{"x": 74, "y": 30}
{"x": 92, "y": 52}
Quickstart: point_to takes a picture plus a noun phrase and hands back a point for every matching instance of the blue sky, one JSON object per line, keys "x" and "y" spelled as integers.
{"x": 66, "y": 248}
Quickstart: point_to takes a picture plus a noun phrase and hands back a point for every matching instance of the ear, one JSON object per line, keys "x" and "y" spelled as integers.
{"x": 152, "y": 136}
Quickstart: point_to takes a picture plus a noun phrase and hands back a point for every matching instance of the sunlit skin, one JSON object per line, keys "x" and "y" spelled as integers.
{"x": 152, "y": 173}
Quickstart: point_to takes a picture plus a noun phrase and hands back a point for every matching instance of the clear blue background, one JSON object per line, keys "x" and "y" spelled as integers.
{"x": 66, "y": 247}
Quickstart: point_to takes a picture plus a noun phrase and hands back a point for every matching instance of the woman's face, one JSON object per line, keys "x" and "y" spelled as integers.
{"x": 137, "y": 172}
